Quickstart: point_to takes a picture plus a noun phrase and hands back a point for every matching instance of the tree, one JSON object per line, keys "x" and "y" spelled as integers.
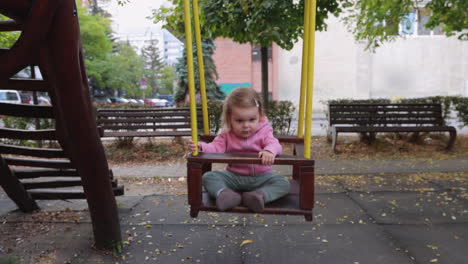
{"x": 167, "y": 80}
{"x": 259, "y": 23}
{"x": 376, "y": 22}
{"x": 213, "y": 92}
{"x": 154, "y": 64}
{"x": 263, "y": 22}
{"x": 126, "y": 71}
{"x": 7, "y": 38}
{"x": 95, "y": 31}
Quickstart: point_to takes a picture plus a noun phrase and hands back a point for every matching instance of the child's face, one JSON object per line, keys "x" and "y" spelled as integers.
{"x": 244, "y": 121}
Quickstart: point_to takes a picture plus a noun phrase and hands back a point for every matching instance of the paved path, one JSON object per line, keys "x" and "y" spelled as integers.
{"x": 322, "y": 167}
{"x": 387, "y": 217}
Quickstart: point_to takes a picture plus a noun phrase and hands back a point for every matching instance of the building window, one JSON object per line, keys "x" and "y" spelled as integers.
{"x": 414, "y": 24}
{"x": 256, "y": 53}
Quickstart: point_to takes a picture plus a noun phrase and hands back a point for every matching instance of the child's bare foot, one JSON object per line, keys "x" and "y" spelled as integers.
{"x": 255, "y": 200}
{"x": 228, "y": 199}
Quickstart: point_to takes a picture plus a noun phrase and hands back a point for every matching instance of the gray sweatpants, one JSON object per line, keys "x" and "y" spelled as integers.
{"x": 274, "y": 186}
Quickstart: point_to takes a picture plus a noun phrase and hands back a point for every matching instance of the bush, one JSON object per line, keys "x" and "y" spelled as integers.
{"x": 280, "y": 114}
{"x": 25, "y": 124}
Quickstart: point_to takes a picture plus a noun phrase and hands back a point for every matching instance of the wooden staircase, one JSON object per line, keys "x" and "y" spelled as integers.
{"x": 50, "y": 40}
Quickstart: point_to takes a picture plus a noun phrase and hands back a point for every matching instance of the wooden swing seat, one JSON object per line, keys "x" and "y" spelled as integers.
{"x": 299, "y": 201}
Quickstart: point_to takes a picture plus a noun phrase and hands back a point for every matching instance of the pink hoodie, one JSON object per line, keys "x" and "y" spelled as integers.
{"x": 228, "y": 142}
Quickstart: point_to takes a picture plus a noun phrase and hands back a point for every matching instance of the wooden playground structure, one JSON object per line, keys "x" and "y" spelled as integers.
{"x": 50, "y": 40}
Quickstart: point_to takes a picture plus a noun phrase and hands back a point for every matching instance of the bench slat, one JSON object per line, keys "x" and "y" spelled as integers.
{"x": 134, "y": 127}
{"x": 144, "y": 120}
{"x": 148, "y": 134}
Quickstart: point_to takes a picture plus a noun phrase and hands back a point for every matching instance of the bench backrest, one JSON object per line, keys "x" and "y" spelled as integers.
{"x": 144, "y": 118}
{"x": 385, "y": 115}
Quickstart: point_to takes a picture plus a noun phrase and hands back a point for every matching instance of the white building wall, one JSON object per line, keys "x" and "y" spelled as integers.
{"x": 417, "y": 66}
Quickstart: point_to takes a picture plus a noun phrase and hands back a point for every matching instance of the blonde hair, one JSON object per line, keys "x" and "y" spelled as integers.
{"x": 241, "y": 97}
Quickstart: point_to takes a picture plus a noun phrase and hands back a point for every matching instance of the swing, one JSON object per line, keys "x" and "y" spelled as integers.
{"x": 300, "y": 200}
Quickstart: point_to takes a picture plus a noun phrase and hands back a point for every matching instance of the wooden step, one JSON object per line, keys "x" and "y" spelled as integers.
{"x": 42, "y": 163}
{"x": 46, "y": 184}
{"x": 24, "y": 110}
{"x": 34, "y": 152}
{"x": 21, "y": 84}
{"x": 10, "y": 25}
{"x": 54, "y": 194}
{"x": 29, "y": 173}
{"x": 43, "y": 134}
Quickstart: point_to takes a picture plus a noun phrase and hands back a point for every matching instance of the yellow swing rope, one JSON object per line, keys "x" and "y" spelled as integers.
{"x": 201, "y": 68}
{"x": 190, "y": 73}
{"x": 307, "y": 78}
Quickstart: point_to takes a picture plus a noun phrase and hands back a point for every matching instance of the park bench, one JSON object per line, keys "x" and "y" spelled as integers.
{"x": 144, "y": 122}
{"x": 369, "y": 119}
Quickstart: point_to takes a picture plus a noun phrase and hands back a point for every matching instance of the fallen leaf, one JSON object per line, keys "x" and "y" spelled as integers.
{"x": 248, "y": 241}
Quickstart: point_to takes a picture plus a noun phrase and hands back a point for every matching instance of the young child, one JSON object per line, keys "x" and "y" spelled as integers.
{"x": 245, "y": 130}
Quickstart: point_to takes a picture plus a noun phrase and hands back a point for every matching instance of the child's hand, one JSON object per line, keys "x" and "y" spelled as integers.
{"x": 267, "y": 157}
{"x": 192, "y": 146}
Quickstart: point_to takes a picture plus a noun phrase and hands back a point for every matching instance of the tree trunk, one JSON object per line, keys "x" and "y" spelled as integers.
{"x": 264, "y": 55}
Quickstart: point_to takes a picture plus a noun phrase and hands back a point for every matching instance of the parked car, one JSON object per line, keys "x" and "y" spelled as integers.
{"x": 141, "y": 101}
{"x": 156, "y": 102}
{"x": 119, "y": 100}
{"x": 10, "y": 96}
{"x": 133, "y": 101}
{"x": 26, "y": 99}
{"x": 168, "y": 97}
{"x": 43, "y": 100}
{"x": 102, "y": 100}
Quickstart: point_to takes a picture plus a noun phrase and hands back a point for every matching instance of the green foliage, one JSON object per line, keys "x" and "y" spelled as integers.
{"x": 10, "y": 260}
{"x": 376, "y": 21}
{"x": 214, "y": 115}
{"x": 213, "y": 91}
{"x": 262, "y": 22}
{"x": 7, "y": 38}
{"x": 24, "y": 124}
{"x": 95, "y": 31}
{"x": 153, "y": 66}
{"x": 451, "y": 105}
{"x": 451, "y": 15}
{"x": 280, "y": 115}
{"x": 127, "y": 71}
{"x": 115, "y": 66}
{"x": 259, "y": 22}
{"x": 167, "y": 77}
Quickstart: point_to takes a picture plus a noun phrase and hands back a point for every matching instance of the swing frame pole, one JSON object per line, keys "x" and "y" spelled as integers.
{"x": 310, "y": 79}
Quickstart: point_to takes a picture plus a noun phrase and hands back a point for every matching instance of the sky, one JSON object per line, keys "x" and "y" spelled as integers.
{"x": 129, "y": 20}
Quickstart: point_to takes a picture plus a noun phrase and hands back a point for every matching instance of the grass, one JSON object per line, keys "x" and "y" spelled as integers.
{"x": 145, "y": 151}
